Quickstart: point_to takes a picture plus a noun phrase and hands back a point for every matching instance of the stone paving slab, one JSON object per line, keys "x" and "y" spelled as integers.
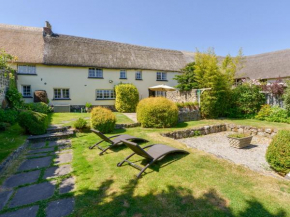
{"x": 63, "y": 158}
{"x": 67, "y": 185}
{"x": 21, "y": 179}
{"x": 59, "y": 142}
{"x": 39, "y": 155}
{"x": 60, "y": 208}
{"x": 32, "y": 193}
{"x": 38, "y": 145}
{"x": 53, "y": 172}
{"x": 25, "y": 212}
{"x": 4, "y": 197}
{"x": 62, "y": 151}
{"x": 41, "y": 150}
{"x": 36, "y": 163}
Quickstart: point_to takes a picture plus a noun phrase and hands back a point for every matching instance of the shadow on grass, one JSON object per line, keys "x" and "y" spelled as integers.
{"x": 173, "y": 201}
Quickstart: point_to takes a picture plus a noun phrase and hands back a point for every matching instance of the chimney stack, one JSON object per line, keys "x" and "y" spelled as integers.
{"x": 47, "y": 30}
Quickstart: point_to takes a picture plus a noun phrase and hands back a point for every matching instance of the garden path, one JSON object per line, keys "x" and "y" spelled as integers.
{"x": 132, "y": 116}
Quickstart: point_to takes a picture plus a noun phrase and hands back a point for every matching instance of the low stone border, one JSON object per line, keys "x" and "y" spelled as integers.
{"x": 122, "y": 126}
{"x": 263, "y": 132}
{"x": 11, "y": 157}
{"x": 186, "y": 115}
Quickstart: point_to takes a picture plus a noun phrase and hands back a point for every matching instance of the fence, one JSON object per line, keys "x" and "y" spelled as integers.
{"x": 4, "y": 83}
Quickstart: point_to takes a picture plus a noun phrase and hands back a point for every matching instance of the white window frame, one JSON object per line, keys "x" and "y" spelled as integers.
{"x": 105, "y": 94}
{"x": 138, "y": 75}
{"x": 123, "y": 74}
{"x": 23, "y": 92}
{"x": 26, "y": 69}
{"x": 95, "y": 73}
{"x": 161, "y": 76}
{"x": 62, "y": 93}
{"x": 160, "y": 93}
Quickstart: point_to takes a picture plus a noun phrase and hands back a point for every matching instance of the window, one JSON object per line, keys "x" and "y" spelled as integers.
{"x": 138, "y": 75}
{"x": 161, "y": 76}
{"x": 105, "y": 94}
{"x": 95, "y": 73}
{"x": 26, "y": 69}
{"x": 123, "y": 74}
{"x": 160, "y": 93}
{"x": 61, "y": 94}
{"x": 26, "y": 91}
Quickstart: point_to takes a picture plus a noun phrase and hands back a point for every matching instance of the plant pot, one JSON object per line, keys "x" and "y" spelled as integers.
{"x": 240, "y": 142}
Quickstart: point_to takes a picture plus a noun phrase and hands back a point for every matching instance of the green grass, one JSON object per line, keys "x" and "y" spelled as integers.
{"x": 197, "y": 184}
{"x": 10, "y": 140}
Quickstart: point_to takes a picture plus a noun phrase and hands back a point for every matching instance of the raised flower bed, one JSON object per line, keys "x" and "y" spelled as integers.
{"x": 239, "y": 140}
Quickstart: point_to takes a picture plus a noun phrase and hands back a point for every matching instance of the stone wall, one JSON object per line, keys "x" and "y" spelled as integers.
{"x": 4, "y": 83}
{"x": 122, "y": 126}
{"x": 263, "y": 132}
{"x": 182, "y": 96}
{"x": 184, "y": 116}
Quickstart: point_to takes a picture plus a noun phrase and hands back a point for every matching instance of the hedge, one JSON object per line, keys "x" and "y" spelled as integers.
{"x": 103, "y": 119}
{"x": 8, "y": 116}
{"x": 34, "y": 123}
{"x": 157, "y": 112}
{"x": 127, "y": 97}
{"x": 278, "y": 152}
{"x": 38, "y": 107}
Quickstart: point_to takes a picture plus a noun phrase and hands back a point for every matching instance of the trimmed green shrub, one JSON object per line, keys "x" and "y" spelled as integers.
{"x": 103, "y": 119}
{"x": 4, "y": 126}
{"x": 40, "y": 107}
{"x": 278, "y": 152}
{"x": 278, "y": 114}
{"x": 127, "y": 97}
{"x": 264, "y": 112}
{"x": 34, "y": 123}
{"x": 8, "y": 116}
{"x": 80, "y": 124}
{"x": 157, "y": 112}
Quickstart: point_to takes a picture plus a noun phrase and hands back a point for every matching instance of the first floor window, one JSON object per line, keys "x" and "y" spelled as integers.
{"x": 95, "y": 73}
{"x": 26, "y": 91}
{"x": 60, "y": 93}
{"x": 105, "y": 94}
{"x": 138, "y": 75}
{"x": 26, "y": 69}
{"x": 160, "y": 93}
{"x": 123, "y": 74}
{"x": 161, "y": 76}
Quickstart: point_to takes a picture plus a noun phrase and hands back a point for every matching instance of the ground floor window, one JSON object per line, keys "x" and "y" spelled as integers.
{"x": 105, "y": 94}
{"x": 60, "y": 93}
{"x": 26, "y": 90}
{"x": 160, "y": 93}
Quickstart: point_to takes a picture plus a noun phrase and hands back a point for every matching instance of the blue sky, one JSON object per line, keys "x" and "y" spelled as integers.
{"x": 226, "y": 25}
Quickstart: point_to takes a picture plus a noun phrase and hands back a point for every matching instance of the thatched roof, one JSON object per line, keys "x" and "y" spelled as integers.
{"x": 24, "y": 42}
{"x": 268, "y": 65}
{"x": 34, "y": 45}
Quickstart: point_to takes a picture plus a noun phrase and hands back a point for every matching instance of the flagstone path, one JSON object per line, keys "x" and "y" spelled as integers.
{"x": 41, "y": 178}
{"x": 132, "y": 116}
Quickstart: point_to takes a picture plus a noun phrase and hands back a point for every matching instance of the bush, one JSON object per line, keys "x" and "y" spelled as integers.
{"x": 40, "y": 107}
{"x": 80, "y": 124}
{"x": 8, "y": 116}
{"x": 103, "y": 119}
{"x": 33, "y": 122}
{"x": 264, "y": 112}
{"x": 4, "y": 126}
{"x": 278, "y": 152}
{"x": 157, "y": 112}
{"x": 247, "y": 101}
{"x": 14, "y": 98}
{"x": 127, "y": 98}
{"x": 278, "y": 114}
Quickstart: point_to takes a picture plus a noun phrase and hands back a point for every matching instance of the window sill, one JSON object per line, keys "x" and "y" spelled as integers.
{"x": 139, "y": 79}
{"x": 27, "y": 97}
{"x": 161, "y": 80}
{"x": 61, "y": 99}
{"x": 26, "y": 74}
{"x": 105, "y": 99}
{"x": 96, "y": 77}
{"x": 123, "y": 78}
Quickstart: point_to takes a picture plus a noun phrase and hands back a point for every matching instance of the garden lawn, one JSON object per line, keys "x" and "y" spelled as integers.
{"x": 10, "y": 140}
{"x": 198, "y": 184}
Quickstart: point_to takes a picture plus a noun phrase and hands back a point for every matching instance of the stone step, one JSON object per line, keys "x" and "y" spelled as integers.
{"x": 52, "y": 136}
{"x": 56, "y": 128}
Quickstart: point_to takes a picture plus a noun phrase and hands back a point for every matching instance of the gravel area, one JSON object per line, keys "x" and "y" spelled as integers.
{"x": 252, "y": 156}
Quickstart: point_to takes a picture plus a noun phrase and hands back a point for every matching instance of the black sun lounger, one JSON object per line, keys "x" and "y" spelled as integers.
{"x": 118, "y": 140}
{"x": 153, "y": 154}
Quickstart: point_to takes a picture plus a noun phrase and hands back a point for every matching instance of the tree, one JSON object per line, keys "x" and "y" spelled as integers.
{"x": 186, "y": 80}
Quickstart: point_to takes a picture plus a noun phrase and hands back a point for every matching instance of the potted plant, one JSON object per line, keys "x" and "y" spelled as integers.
{"x": 239, "y": 140}
{"x": 88, "y": 106}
